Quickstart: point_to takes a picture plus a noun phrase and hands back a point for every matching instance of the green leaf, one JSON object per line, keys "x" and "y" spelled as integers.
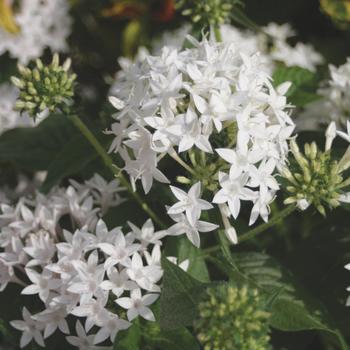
{"x": 292, "y": 308}
{"x": 34, "y": 149}
{"x": 129, "y": 339}
{"x": 178, "y": 339}
{"x": 304, "y": 84}
{"x": 197, "y": 267}
{"x": 72, "y": 158}
{"x": 287, "y": 315}
{"x": 180, "y": 297}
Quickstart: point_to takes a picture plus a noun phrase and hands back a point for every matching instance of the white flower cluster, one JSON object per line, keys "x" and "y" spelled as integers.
{"x": 274, "y": 48}
{"x": 335, "y": 102}
{"x": 337, "y": 95}
{"x": 302, "y": 55}
{"x": 192, "y": 100}
{"x": 9, "y": 118}
{"x": 42, "y": 24}
{"x": 64, "y": 269}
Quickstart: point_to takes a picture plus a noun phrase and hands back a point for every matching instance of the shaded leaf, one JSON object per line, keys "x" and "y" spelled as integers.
{"x": 197, "y": 267}
{"x": 304, "y": 84}
{"x": 34, "y": 149}
{"x": 180, "y": 297}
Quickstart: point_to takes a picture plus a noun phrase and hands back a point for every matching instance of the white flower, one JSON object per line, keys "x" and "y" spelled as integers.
{"x": 81, "y": 341}
{"x": 53, "y": 318}
{"x": 6, "y": 275}
{"x": 183, "y": 226}
{"x": 190, "y": 203}
{"x": 41, "y": 248}
{"x": 145, "y": 276}
{"x": 118, "y": 282}
{"x": 138, "y": 305}
{"x": 111, "y": 325}
{"x": 31, "y": 329}
{"x": 233, "y": 191}
{"x": 94, "y": 310}
{"x": 261, "y": 177}
{"x": 146, "y": 234}
{"x": 90, "y": 276}
{"x": 192, "y": 135}
{"x": 119, "y": 252}
{"x": 331, "y": 133}
{"x": 261, "y": 207}
{"x": 42, "y": 284}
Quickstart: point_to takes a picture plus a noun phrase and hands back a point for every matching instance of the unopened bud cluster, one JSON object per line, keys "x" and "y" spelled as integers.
{"x": 207, "y": 12}
{"x": 316, "y": 179}
{"x": 232, "y": 318}
{"x": 45, "y": 88}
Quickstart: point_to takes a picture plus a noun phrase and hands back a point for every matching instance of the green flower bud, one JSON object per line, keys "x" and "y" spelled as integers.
{"x": 45, "y": 87}
{"x": 207, "y": 12}
{"x": 322, "y": 180}
{"x": 232, "y": 318}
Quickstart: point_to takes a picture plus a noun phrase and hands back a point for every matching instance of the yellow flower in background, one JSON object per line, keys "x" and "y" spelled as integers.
{"x": 7, "y": 20}
{"x": 338, "y": 10}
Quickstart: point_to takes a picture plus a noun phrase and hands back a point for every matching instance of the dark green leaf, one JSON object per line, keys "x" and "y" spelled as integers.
{"x": 72, "y": 158}
{"x": 128, "y": 339}
{"x": 178, "y": 339}
{"x": 287, "y": 315}
{"x": 304, "y": 84}
{"x": 180, "y": 296}
{"x": 197, "y": 267}
{"x": 34, "y": 148}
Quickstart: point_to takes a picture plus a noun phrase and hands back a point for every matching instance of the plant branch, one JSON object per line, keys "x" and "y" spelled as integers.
{"x": 261, "y": 228}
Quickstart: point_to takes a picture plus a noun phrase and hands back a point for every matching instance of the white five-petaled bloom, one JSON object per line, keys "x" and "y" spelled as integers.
{"x": 53, "y": 318}
{"x": 190, "y": 202}
{"x": 232, "y": 191}
{"x": 81, "y": 341}
{"x": 31, "y": 329}
{"x": 183, "y": 226}
{"x": 138, "y": 305}
{"x": 146, "y": 276}
{"x": 42, "y": 284}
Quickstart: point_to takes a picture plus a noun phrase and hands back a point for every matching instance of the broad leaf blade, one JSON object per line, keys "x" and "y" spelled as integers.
{"x": 180, "y": 297}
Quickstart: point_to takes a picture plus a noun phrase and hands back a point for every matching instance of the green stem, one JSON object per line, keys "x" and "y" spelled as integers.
{"x": 217, "y": 34}
{"x": 254, "y": 232}
{"x": 261, "y": 228}
{"x": 342, "y": 342}
{"x": 176, "y": 157}
{"x": 113, "y": 168}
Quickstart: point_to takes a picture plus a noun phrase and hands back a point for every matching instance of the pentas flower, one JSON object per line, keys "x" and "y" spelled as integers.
{"x": 78, "y": 273}
{"x": 189, "y": 203}
{"x": 188, "y": 103}
{"x": 274, "y": 47}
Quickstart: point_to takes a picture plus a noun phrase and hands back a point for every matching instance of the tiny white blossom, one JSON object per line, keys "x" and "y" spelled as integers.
{"x": 138, "y": 305}
{"x": 190, "y": 202}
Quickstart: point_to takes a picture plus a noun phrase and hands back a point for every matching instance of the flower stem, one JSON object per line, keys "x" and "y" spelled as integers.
{"x": 176, "y": 157}
{"x": 113, "y": 168}
{"x": 217, "y": 34}
{"x": 254, "y": 232}
{"x": 261, "y": 228}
